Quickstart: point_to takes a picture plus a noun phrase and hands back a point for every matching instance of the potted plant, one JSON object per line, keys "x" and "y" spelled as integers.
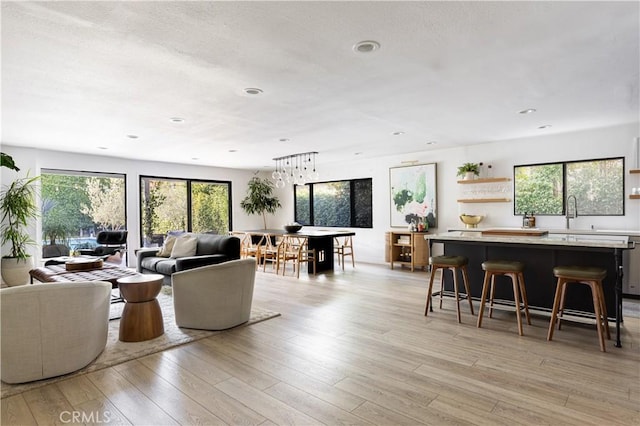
{"x": 469, "y": 170}
{"x": 18, "y": 207}
{"x": 260, "y": 199}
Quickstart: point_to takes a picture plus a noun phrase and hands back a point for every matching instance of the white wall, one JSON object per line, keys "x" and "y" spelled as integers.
{"x": 503, "y": 155}
{"x": 369, "y": 243}
{"x": 32, "y": 161}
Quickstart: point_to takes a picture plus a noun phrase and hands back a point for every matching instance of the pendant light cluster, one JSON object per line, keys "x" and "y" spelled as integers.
{"x": 296, "y": 169}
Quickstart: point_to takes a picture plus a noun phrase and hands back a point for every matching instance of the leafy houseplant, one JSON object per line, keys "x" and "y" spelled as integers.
{"x": 260, "y": 199}
{"x": 469, "y": 169}
{"x": 18, "y": 207}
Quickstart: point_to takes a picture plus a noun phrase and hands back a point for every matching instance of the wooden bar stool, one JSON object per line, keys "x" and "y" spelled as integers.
{"x": 581, "y": 275}
{"x": 514, "y": 270}
{"x": 452, "y": 263}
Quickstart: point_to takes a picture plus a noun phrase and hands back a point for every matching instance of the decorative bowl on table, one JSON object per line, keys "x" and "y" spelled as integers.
{"x": 292, "y": 227}
{"x": 470, "y": 220}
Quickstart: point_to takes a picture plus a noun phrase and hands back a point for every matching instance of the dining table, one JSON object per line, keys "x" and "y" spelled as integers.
{"x": 320, "y": 240}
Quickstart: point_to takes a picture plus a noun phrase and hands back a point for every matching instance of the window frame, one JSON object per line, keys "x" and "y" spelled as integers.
{"x": 564, "y": 165}
{"x": 189, "y": 207}
{"x": 352, "y": 191}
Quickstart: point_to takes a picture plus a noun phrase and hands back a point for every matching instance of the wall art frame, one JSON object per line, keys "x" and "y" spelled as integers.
{"x": 413, "y": 194}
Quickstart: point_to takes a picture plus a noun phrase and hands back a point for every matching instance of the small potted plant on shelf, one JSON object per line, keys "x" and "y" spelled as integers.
{"x": 469, "y": 170}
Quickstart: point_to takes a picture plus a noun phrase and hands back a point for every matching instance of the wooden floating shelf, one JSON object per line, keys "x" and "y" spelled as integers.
{"x": 634, "y": 197}
{"x": 484, "y": 200}
{"x": 634, "y": 171}
{"x": 486, "y": 180}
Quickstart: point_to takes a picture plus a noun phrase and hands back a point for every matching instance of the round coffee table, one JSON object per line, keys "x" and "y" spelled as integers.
{"x": 141, "y": 317}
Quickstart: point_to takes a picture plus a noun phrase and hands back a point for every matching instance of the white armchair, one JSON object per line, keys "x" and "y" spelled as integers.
{"x": 214, "y": 297}
{"x": 52, "y": 329}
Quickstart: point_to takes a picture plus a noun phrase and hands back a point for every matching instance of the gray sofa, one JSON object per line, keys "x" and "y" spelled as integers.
{"x": 211, "y": 249}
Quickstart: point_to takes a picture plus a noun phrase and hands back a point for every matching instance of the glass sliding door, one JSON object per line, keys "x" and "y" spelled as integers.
{"x": 76, "y": 205}
{"x": 210, "y": 207}
{"x": 182, "y": 205}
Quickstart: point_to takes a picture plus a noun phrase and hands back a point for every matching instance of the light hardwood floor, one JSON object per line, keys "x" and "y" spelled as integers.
{"x": 355, "y": 348}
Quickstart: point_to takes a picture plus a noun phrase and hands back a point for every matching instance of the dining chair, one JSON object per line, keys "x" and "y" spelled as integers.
{"x": 296, "y": 249}
{"x": 270, "y": 252}
{"x": 343, "y": 247}
{"x": 243, "y": 242}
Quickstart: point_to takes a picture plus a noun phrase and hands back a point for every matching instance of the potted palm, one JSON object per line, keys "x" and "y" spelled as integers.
{"x": 260, "y": 199}
{"x": 469, "y": 170}
{"x": 18, "y": 208}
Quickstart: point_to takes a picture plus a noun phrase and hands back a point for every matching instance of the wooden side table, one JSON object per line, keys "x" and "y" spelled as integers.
{"x": 141, "y": 317}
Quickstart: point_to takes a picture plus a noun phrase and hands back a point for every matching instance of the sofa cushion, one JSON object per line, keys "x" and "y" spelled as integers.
{"x": 185, "y": 246}
{"x": 151, "y": 263}
{"x": 212, "y": 244}
{"x": 167, "y": 247}
{"x": 166, "y": 266}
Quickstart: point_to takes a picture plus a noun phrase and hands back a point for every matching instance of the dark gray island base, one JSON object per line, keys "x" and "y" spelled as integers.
{"x": 540, "y": 255}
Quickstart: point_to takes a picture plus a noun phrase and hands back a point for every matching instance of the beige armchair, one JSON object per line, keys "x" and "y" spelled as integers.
{"x": 214, "y": 297}
{"x": 52, "y": 329}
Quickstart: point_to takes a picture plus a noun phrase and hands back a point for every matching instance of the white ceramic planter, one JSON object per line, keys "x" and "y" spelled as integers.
{"x": 16, "y": 271}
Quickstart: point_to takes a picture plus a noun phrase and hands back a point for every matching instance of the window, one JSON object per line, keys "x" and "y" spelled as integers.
{"x": 598, "y": 186}
{"x": 77, "y": 205}
{"x": 169, "y": 204}
{"x": 345, "y": 203}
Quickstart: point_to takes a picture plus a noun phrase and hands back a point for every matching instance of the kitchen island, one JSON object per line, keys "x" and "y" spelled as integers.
{"x": 540, "y": 254}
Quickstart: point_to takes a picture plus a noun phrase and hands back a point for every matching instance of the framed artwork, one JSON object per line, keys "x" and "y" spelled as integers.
{"x": 413, "y": 194}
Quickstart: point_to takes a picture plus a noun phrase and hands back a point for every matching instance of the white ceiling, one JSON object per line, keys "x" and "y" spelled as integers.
{"x": 77, "y": 76}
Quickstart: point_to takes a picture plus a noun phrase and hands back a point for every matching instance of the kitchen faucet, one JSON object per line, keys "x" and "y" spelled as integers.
{"x": 575, "y": 209}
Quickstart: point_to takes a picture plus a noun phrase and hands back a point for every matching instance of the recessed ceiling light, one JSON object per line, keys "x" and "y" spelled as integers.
{"x": 176, "y": 120}
{"x": 284, "y": 139}
{"x": 397, "y": 133}
{"x": 366, "y": 46}
{"x": 544, "y": 126}
{"x": 233, "y": 150}
{"x": 252, "y": 91}
{"x": 358, "y": 153}
{"x": 195, "y": 158}
{"x": 432, "y": 143}
{"x": 102, "y": 147}
{"x": 132, "y": 136}
{"x": 527, "y": 111}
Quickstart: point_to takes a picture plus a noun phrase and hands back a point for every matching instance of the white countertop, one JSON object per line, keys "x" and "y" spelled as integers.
{"x": 627, "y": 232}
{"x": 571, "y": 240}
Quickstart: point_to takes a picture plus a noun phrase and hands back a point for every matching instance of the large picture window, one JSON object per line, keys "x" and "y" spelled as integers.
{"x": 168, "y": 204}
{"x": 344, "y": 203}
{"x": 76, "y": 205}
{"x": 598, "y": 186}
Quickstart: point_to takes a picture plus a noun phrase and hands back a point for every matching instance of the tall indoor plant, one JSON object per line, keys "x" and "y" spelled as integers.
{"x": 260, "y": 199}
{"x": 18, "y": 208}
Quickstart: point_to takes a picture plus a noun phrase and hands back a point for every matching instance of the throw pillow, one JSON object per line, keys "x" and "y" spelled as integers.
{"x": 167, "y": 247}
{"x": 184, "y": 246}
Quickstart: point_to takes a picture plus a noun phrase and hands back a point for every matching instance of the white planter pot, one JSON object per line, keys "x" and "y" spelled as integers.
{"x": 16, "y": 271}
{"x": 469, "y": 176}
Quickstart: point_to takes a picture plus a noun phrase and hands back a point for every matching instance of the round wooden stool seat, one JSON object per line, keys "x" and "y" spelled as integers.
{"x": 455, "y": 261}
{"x": 452, "y": 263}
{"x": 588, "y": 275}
{"x": 580, "y": 272}
{"x": 510, "y": 268}
{"x": 503, "y": 266}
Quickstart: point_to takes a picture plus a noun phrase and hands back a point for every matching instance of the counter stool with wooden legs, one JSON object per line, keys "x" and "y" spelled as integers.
{"x": 452, "y": 263}
{"x": 581, "y": 275}
{"x": 514, "y": 270}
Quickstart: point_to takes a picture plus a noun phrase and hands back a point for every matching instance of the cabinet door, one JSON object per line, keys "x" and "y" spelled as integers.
{"x": 387, "y": 246}
{"x": 420, "y": 250}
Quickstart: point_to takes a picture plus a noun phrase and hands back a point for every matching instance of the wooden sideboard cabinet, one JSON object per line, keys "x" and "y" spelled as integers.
{"x": 407, "y": 249}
